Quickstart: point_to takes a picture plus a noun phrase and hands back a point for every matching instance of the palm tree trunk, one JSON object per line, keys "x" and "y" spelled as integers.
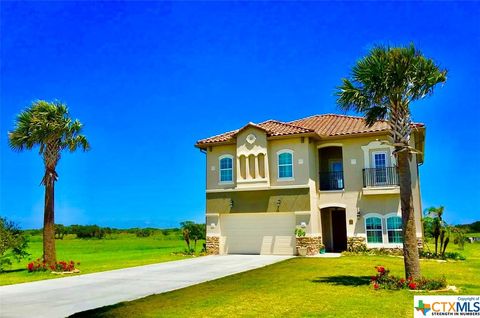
{"x": 49, "y": 255}
{"x": 410, "y": 248}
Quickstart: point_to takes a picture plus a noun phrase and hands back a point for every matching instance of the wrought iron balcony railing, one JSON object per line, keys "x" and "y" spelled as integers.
{"x": 332, "y": 180}
{"x": 379, "y": 177}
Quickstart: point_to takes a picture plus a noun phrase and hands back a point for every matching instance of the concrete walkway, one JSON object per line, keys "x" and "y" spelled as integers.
{"x": 66, "y": 296}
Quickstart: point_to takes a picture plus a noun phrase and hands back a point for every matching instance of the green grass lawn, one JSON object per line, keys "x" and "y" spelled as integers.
{"x": 302, "y": 287}
{"x": 114, "y": 252}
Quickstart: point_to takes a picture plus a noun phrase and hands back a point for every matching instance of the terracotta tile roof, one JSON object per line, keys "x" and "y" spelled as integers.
{"x": 271, "y": 127}
{"x": 336, "y": 125}
{"x": 328, "y": 125}
{"x": 277, "y": 128}
{"x": 331, "y": 125}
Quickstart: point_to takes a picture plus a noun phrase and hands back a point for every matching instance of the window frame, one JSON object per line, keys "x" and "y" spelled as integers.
{"x": 220, "y": 158}
{"x": 384, "y": 168}
{"x": 378, "y": 216}
{"x": 290, "y": 152}
{"x": 389, "y": 216}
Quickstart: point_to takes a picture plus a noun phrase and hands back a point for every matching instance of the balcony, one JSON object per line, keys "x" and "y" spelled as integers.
{"x": 332, "y": 180}
{"x": 380, "y": 181}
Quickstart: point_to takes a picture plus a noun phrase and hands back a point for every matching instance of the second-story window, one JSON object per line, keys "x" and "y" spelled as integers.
{"x": 285, "y": 164}
{"x": 226, "y": 168}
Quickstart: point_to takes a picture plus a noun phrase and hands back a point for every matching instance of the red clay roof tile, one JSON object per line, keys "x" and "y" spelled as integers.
{"x": 328, "y": 125}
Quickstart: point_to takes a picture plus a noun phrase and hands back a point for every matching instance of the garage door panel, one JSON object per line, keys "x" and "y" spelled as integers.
{"x": 259, "y": 233}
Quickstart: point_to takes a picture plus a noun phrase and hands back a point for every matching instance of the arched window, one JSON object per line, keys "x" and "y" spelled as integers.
{"x": 226, "y": 168}
{"x": 285, "y": 164}
{"x": 394, "y": 229}
{"x": 373, "y": 227}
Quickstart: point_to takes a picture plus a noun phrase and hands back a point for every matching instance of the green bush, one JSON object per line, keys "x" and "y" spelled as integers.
{"x": 447, "y": 255}
{"x": 299, "y": 232}
{"x": 89, "y": 231}
{"x": 383, "y": 280}
{"x": 13, "y": 243}
{"x": 143, "y": 232}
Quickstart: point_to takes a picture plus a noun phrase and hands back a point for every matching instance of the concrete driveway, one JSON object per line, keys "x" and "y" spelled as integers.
{"x": 66, "y": 296}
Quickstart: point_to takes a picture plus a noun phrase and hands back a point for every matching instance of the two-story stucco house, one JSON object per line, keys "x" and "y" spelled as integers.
{"x": 329, "y": 174}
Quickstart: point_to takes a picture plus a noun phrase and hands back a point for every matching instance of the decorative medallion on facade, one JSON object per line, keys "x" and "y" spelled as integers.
{"x": 251, "y": 138}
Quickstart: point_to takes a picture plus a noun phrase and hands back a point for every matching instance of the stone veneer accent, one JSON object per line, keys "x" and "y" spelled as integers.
{"x": 356, "y": 244}
{"x": 213, "y": 245}
{"x": 312, "y": 243}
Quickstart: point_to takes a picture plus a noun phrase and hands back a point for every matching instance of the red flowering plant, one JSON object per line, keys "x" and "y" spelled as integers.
{"x": 383, "y": 280}
{"x": 37, "y": 265}
{"x": 62, "y": 266}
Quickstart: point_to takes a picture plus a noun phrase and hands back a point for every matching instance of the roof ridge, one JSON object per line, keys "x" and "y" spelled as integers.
{"x": 286, "y": 123}
{"x": 333, "y": 114}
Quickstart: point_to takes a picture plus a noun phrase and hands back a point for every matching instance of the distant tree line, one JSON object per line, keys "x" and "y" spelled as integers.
{"x": 470, "y": 228}
{"x": 98, "y": 232}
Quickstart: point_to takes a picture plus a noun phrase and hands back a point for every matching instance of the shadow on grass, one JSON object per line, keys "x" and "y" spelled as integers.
{"x": 344, "y": 280}
{"x": 98, "y": 312}
{"x": 14, "y": 270}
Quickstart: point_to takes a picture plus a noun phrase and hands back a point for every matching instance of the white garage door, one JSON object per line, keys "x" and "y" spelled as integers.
{"x": 258, "y": 233}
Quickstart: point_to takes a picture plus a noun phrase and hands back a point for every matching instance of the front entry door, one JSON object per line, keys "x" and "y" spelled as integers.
{"x": 339, "y": 228}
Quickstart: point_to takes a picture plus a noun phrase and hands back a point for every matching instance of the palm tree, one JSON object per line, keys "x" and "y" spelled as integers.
{"x": 437, "y": 224}
{"x": 47, "y": 125}
{"x": 383, "y": 85}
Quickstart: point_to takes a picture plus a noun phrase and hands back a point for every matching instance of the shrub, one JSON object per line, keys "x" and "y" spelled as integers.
{"x": 63, "y": 266}
{"x": 90, "y": 231}
{"x": 447, "y": 255}
{"x": 299, "y": 232}
{"x": 13, "y": 243}
{"x": 37, "y": 266}
{"x": 143, "y": 232}
{"x": 60, "y": 231}
{"x": 383, "y": 280}
{"x": 40, "y": 266}
{"x": 192, "y": 230}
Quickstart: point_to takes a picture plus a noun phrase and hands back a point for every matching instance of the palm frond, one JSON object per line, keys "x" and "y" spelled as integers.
{"x": 46, "y": 123}
{"x": 386, "y": 80}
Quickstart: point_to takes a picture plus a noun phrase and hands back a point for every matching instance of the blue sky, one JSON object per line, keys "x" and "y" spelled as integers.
{"x": 149, "y": 78}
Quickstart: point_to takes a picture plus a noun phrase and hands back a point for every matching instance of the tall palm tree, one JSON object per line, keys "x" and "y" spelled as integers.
{"x": 47, "y": 125}
{"x": 382, "y": 86}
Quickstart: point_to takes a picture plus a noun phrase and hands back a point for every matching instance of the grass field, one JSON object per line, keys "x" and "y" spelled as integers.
{"x": 114, "y": 252}
{"x": 302, "y": 287}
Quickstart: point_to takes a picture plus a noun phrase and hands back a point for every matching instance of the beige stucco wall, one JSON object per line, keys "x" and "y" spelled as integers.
{"x": 301, "y": 169}
{"x": 213, "y": 154}
{"x": 352, "y": 197}
{"x": 279, "y": 200}
{"x": 306, "y": 169}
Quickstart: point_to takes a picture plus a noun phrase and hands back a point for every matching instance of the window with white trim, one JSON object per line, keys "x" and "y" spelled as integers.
{"x": 226, "y": 168}
{"x": 394, "y": 229}
{"x": 285, "y": 164}
{"x": 373, "y": 227}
